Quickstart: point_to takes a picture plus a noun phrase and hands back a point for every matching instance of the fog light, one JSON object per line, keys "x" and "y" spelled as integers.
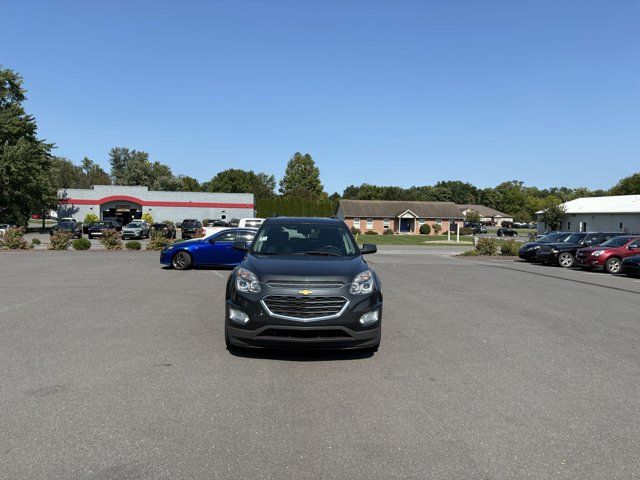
{"x": 369, "y": 317}
{"x": 237, "y": 316}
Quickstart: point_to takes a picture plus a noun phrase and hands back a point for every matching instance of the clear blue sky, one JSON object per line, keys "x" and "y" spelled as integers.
{"x": 394, "y": 93}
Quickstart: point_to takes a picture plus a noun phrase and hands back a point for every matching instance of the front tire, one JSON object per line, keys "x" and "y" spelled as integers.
{"x": 566, "y": 260}
{"x": 181, "y": 261}
{"x": 613, "y": 265}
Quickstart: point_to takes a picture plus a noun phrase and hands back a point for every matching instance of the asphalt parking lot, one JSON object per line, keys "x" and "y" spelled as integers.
{"x": 113, "y": 368}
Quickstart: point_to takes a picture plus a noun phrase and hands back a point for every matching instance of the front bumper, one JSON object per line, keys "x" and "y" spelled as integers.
{"x": 126, "y": 234}
{"x": 547, "y": 257}
{"x": 631, "y": 268}
{"x": 265, "y": 330}
{"x": 590, "y": 261}
{"x": 528, "y": 255}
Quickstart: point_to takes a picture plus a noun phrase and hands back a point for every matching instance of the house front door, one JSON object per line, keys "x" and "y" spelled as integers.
{"x": 406, "y": 225}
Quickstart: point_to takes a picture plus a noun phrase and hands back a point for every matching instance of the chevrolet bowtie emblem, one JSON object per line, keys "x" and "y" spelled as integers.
{"x": 305, "y": 292}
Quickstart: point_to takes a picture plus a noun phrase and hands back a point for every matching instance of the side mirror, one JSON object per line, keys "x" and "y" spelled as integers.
{"x": 242, "y": 246}
{"x": 368, "y": 248}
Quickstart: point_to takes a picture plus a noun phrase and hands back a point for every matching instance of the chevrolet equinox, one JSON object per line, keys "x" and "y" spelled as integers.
{"x": 303, "y": 284}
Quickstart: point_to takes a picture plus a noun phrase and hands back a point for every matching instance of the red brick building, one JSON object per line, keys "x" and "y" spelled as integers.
{"x": 399, "y": 216}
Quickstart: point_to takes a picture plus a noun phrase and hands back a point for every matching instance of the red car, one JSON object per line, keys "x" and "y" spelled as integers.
{"x": 609, "y": 255}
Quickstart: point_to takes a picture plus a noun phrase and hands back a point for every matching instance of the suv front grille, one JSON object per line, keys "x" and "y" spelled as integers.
{"x": 303, "y": 307}
{"x": 286, "y": 333}
{"x": 301, "y": 285}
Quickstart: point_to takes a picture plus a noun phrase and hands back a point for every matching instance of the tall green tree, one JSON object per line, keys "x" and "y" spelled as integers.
{"x": 553, "y": 216}
{"x": 235, "y": 180}
{"x": 130, "y": 167}
{"x": 627, "y": 186}
{"x": 94, "y": 174}
{"x": 25, "y": 160}
{"x": 302, "y": 178}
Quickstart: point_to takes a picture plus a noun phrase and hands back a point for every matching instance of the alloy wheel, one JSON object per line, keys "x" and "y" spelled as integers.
{"x": 565, "y": 260}
{"x": 613, "y": 265}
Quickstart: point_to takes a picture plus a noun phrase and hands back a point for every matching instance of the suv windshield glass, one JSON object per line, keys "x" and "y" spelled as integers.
{"x": 67, "y": 225}
{"x": 311, "y": 239}
{"x": 575, "y": 238}
{"x": 616, "y": 242}
{"x": 554, "y": 237}
{"x": 134, "y": 225}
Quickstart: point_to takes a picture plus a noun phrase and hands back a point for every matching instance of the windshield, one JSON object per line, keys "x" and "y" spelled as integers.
{"x": 134, "y": 225}
{"x": 575, "y": 238}
{"x": 67, "y": 225}
{"x": 554, "y": 237}
{"x": 312, "y": 239}
{"x": 616, "y": 242}
{"x": 101, "y": 224}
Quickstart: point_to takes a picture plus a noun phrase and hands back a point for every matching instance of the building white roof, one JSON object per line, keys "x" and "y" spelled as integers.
{"x": 613, "y": 204}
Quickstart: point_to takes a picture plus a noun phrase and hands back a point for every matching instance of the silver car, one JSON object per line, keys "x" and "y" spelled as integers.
{"x": 137, "y": 229}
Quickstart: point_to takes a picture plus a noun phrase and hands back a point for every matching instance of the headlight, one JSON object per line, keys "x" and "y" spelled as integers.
{"x": 597, "y": 253}
{"x": 362, "y": 283}
{"x": 555, "y": 250}
{"x": 247, "y": 281}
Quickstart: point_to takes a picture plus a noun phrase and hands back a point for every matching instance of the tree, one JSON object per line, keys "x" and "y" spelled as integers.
{"x": 65, "y": 174}
{"x": 235, "y": 180}
{"x": 130, "y": 167}
{"x": 302, "y": 178}
{"x": 472, "y": 216}
{"x": 627, "y": 186}
{"x": 189, "y": 184}
{"x": 553, "y": 216}
{"x": 94, "y": 174}
{"x": 25, "y": 160}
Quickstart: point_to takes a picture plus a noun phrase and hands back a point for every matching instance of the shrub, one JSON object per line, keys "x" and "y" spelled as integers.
{"x": 437, "y": 228}
{"x": 147, "y": 217}
{"x": 487, "y": 246}
{"x": 111, "y": 239}
{"x": 133, "y": 245}
{"x": 60, "y": 241}
{"x": 199, "y": 233}
{"x": 168, "y": 222}
{"x": 35, "y": 241}
{"x": 510, "y": 248}
{"x": 355, "y": 231}
{"x": 157, "y": 240}
{"x": 388, "y": 231}
{"x": 13, "y": 239}
{"x": 81, "y": 244}
{"x": 371, "y": 232}
{"x": 425, "y": 229}
{"x": 91, "y": 218}
{"x": 470, "y": 253}
{"x": 466, "y": 231}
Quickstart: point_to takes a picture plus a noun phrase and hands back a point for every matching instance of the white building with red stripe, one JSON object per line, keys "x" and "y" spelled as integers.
{"x": 132, "y": 202}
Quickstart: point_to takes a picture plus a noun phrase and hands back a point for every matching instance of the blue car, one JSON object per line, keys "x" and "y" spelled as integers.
{"x": 215, "y": 250}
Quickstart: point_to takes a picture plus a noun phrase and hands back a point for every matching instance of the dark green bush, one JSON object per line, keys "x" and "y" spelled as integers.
{"x": 81, "y": 244}
{"x": 466, "y": 231}
{"x": 425, "y": 229}
{"x": 371, "y": 232}
{"x": 111, "y": 239}
{"x": 437, "y": 228}
{"x": 487, "y": 246}
{"x": 60, "y": 240}
{"x": 510, "y": 248}
{"x": 388, "y": 231}
{"x": 35, "y": 241}
{"x": 133, "y": 245}
{"x": 470, "y": 253}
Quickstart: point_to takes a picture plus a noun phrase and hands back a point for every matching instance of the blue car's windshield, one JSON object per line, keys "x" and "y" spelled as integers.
{"x": 305, "y": 239}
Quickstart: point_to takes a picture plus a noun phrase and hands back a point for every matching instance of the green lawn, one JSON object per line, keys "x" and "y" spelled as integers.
{"x": 410, "y": 239}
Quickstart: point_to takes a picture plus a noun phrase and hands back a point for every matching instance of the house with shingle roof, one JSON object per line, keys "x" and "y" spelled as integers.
{"x": 399, "y": 216}
{"x": 487, "y": 214}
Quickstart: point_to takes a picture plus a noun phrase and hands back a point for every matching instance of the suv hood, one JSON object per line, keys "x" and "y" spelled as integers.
{"x": 304, "y": 267}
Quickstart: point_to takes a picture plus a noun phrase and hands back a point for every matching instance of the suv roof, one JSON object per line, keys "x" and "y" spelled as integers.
{"x": 298, "y": 220}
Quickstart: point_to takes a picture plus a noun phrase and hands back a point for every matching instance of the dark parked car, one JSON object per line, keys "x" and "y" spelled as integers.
{"x": 528, "y": 250}
{"x": 168, "y": 230}
{"x": 507, "y": 232}
{"x": 215, "y": 250}
{"x": 564, "y": 253}
{"x": 477, "y": 228}
{"x": 115, "y": 221}
{"x": 97, "y": 229}
{"x": 610, "y": 254}
{"x": 74, "y": 228}
{"x": 190, "y": 228}
{"x": 304, "y": 284}
{"x": 631, "y": 266}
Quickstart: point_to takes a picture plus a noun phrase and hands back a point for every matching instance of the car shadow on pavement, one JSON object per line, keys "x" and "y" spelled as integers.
{"x": 301, "y": 355}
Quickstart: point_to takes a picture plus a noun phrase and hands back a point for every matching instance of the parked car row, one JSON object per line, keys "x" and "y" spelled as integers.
{"x": 613, "y": 252}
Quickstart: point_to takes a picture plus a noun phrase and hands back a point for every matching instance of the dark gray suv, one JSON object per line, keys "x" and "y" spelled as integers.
{"x": 304, "y": 284}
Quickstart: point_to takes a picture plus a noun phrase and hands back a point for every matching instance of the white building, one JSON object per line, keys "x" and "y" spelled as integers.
{"x": 619, "y": 213}
{"x": 487, "y": 214}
